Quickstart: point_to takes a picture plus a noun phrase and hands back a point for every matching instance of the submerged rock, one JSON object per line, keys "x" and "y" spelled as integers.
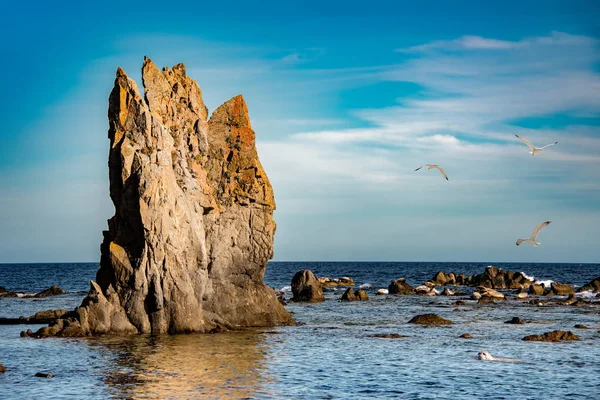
{"x": 355, "y": 295}
{"x": 581, "y": 326}
{"x": 429, "y": 319}
{"x": 466, "y": 336}
{"x": 44, "y": 375}
{"x": 193, "y": 229}
{"x": 388, "y": 336}
{"x": 2, "y": 369}
{"x": 399, "y": 286}
{"x": 515, "y": 320}
{"x": 554, "y": 336}
{"x": 306, "y": 287}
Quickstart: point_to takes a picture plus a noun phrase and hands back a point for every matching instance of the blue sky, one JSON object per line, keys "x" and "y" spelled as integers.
{"x": 347, "y": 99}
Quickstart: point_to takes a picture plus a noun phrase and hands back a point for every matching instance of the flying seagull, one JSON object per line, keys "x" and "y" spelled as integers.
{"x": 534, "y": 150}
{"x": 430, "y": 166}
{"x": 531, "y": 240}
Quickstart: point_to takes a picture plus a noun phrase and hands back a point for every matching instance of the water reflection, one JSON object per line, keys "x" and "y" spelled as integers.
{"x": 226, "y": 365}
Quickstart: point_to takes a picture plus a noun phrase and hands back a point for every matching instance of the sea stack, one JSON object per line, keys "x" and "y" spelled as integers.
{"x": 193, "y": 229}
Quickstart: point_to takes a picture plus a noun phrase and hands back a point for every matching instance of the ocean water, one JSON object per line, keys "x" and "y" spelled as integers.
{"x": 331, "y": 354}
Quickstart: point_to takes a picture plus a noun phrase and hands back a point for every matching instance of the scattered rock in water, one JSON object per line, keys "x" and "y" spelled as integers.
{"x": 343, "y": 281}
{"x": 476, "y": 296}
{"x": 554, "y": 336}
{"x": 593, "y": 286}
{"x": 388, "y": 336}
{"x": 521, "y": 294}
{"x": 515, "y": 321}
{"x": 355, "y": 295}
{"x": 429, "y": 319}
{"x": 490, "y": 293}
{"x": 456, "y": 310}
{"x": 2, "y": 369}
{"x": 26, "y": 333}
{"x": 399, "y": 286}
{"x": 570, "y": 301}
{"x": 447, "y": 292}
{"x": 425, "y": 289}
{"x": 486, "y": 300}
{"x": 306, "y": 287}
{"x": 41, "y": 317}
{"x": 493, "y": 277}
{"x": 581, "y": 326}
{"x": 560, "y": 289}
{"x": 69, "y": 327}
{"x": 281, "y": 297}
{"x": 382, "y": 292}
{"x": 459, "y": 303}
{"x": 51, "y": 291}
{"x": 466, "y": 336}
{"x": 537, "y": 289}
{"x": 486, "y": 356}
{"x": 43, "y": 375}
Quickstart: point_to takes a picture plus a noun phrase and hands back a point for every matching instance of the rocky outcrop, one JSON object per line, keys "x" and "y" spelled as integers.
{"x": 51, "y": 291}
{"x": 306, "y": 287}
{"x": 193, "y": 229}
{"x": 560, "y": 289}
{"x": 429, "y": 319}
{"x": 355, "y": 295}
{"x": 594, "y": 286}
{"x": 490, "y": 293}
{"x": 343, "y": 281}
{"x": 554, "y": 336}
{"x": 399, "y": 286}
{"x": 493, "y": 278}
{"x": 40, "y": 317}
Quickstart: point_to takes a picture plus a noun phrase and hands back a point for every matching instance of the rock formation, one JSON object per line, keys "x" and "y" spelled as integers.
{"x": 306, "y": 287}
{"x": 343, "y": 281}
{"x": 193, "y": 229}
{"x": 560, "y": 289}
{"x": 594, "y": 286}
{"x": 492, "y": 277}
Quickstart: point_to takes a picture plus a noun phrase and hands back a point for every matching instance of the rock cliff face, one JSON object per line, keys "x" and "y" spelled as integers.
{"x": 193, "y": 228}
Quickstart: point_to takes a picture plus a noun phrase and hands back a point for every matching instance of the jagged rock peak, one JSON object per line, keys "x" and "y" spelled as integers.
{"x": 193, "y": 229}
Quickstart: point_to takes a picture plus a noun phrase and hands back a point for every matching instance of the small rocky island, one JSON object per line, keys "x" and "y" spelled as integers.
{"x": 193, "y": 229}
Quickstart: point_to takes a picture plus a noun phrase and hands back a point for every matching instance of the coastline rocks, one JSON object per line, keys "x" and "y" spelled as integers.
{"x": 187, "y": 248}
{"x": 521, "y": 294}
{"x": 51, "y": 291}
{"x": 399, "y": 286}
{"x": 560, "y": 289}
{"x": 492, "y": 277}
{"x": 382, "y": 292}
{"x": 40, "y": 317}
{"x": 429, "y": 319}
{"x": 67, "y": 328}
{"x": 343, "y": 281}
{"x": 515, "y": 321}
{"x": 594, "y": 286}
{"x": 537, "y": 289}
{"x": 306, "y": 287}
{"x": 355, "y": 295}
{"x": 447, "y": 292}
{"x": 554, "y": 336}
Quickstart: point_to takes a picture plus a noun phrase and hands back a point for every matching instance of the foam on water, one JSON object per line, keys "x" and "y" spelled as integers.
{"x": 286, "y": 289}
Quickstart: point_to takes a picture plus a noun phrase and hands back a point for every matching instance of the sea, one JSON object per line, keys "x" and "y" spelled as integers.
{"x": 331, "y": 353}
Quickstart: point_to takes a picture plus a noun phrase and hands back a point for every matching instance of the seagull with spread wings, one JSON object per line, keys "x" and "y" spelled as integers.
{"x": 430, "y": 166}
{"x": 534, "y": 150}
{"x": 532, "y": 239}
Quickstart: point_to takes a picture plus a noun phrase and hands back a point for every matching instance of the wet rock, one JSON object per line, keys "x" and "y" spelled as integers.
{"x": 581, "y": 326}
{"x": 43, "y": 375}
{"x": 343, "y": 281}
{"x": 486, "y": 300}
{"x": 570, "y": 301}
{"x": 515, "y": 320}
{"x": 7, "y": 293}
{"x": 447, "y": 292}
{"x": 41, "y": 317}
{"x": 554, "y": 336}
{"x": 306, "y": 287}
{"x": 456, "y": 310}
{"x": 388, "y": 336}
{"x": 459, "y": 303}
{"x": 466, "y": 336}
{"x": 2, "y": 369}
{"x": 399, "y": 286}
{"x": 26, "y": 333}
{"x": 355, "y": 295}
{"x": 493, "y": 278}
{"x": 537, "y": 289}
{"x": 593, "y": 286}
{"x": 443, "y": 279}
{"x": 382, "y": 292}
{"x": 476, "y": 296}
{"x": 521, "y": 294}
{"x": 560, "y": 289}
{"x": 429, "y": 319}
{"x": 281, "y": 297}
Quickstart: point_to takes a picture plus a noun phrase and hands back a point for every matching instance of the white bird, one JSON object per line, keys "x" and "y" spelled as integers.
{"x": 532, "y": 240}
{"x": 430, "y": 166}
{"x": 534, "y": 150}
